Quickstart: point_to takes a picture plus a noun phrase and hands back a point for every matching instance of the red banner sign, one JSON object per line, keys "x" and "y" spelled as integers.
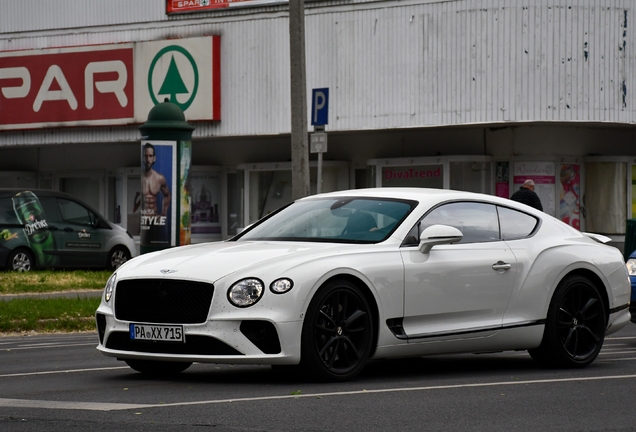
{"x": 179, "y": 6}
{"x": 70, "y": 86}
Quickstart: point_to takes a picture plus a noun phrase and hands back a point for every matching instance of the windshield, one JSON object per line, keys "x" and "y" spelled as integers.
{"x": 344, "y": 220}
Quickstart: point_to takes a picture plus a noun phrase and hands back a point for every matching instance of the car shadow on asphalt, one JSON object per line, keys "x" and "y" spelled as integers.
{"x": 397, "y": 370}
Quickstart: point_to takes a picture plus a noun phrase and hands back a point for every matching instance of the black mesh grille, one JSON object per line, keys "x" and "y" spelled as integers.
{"x": 194, "y": 345}
{"x": 163, "y": 301}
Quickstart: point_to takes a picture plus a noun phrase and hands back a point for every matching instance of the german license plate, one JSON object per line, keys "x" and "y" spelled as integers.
{"x": 151, "y": 332}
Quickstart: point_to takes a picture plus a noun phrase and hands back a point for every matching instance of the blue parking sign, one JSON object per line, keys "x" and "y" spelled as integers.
{"x": 320, "y": 107}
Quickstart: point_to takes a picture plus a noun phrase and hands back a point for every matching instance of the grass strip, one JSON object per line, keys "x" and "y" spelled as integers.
{"x": 48, "y": 315}
{"x": 51, "y": 281}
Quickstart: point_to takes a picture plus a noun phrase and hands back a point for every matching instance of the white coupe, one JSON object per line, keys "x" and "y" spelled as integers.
{"x": 334, "y": 280}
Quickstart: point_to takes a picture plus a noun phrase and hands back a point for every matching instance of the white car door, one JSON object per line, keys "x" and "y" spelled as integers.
{"x": 461, "y": 288}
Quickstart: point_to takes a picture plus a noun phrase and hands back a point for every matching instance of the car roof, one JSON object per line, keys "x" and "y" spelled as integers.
{"x": 426, "y": 195}
{"x": 4, "y": 192}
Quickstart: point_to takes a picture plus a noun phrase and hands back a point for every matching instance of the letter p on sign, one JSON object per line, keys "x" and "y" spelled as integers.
{"x": 320, "y": 107}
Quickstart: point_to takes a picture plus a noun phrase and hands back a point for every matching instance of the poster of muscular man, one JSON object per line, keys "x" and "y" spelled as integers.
{"x": 158, "y": 178}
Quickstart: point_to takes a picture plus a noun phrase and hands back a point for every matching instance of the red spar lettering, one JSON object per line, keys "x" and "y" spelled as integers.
{"x": 66, "y": 87}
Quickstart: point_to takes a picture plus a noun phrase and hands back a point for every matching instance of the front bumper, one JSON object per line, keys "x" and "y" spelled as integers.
{"x": 250, "y": 341}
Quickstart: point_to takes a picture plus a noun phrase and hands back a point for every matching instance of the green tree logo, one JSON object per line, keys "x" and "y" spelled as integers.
{"x": 173, "y": 84}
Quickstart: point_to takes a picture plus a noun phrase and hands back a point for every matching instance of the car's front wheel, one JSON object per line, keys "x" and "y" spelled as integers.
{"x": 158, "y": 368}
{"x": 575, "y": 325}
{"x": 21, "y": 260}
{"x": 338, "y": 332}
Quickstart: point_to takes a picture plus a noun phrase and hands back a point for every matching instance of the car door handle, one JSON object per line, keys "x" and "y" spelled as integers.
{"x": 68, "y": 229}
{"x": 500, "y": 265}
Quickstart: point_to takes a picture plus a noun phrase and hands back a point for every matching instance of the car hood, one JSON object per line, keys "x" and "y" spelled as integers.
{"x": 212, "y": 261}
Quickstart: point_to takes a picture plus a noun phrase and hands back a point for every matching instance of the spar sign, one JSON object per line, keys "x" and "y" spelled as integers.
{"x": 70, "y": 86}
{"x": 109, "y": 84}
{"x": 187, "y": 72}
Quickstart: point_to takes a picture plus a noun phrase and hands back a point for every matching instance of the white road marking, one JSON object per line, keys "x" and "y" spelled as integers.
{"x": 97, "y": 406}
{"x": 21, "y": 374}
{"x": 88, "y": 406}
{"x": 23, "y": 347}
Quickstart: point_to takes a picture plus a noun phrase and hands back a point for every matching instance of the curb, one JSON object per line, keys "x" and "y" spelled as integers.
{"x": 64, "y": 294}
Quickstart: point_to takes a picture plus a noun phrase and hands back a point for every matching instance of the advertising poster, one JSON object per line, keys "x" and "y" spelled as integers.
{"x": 206, "y": 198}
{"x": 502, "y": 179}
{"x": 185, "y": 162}
{"x": 634, "y": 191}
{"x": 570, "y": 193}
{"x": 426, "y": 176}
{"x": 544, "y": 176}
{"x": 25, "y": 210}
{"x": 158, "y": 189}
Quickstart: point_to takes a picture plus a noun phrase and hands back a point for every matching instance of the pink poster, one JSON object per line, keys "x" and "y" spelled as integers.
{"x": 544, "y": 176}
{"x": 502, "y": 179}
{"x": 570, "y": 193}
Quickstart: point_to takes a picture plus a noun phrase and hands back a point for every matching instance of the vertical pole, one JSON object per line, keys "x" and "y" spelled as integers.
{"x": 299, "y": 144}
{"x": 319, "y": 179}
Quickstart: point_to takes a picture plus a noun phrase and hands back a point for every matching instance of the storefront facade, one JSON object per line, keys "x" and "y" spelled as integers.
{"x": 460, "y": 94}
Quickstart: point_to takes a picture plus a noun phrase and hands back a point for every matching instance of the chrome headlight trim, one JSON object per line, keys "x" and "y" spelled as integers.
{"x": 110, "y": 287}
{"x": 246, "y": 292}
{"x": 281, "y": 286}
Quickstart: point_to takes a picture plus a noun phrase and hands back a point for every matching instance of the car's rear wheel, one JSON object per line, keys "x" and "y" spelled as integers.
{"x": 337, "y": 332}
{"x": 575, "y": 326}
{"x": 117, "y": 257}
{"x": 153, "y": 367}
{"x": 21, "y": 260}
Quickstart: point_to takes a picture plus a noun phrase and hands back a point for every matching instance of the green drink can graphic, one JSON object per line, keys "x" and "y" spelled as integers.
{"x": 31, "y": 215}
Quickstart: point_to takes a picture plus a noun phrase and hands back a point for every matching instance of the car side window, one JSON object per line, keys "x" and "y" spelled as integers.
{"x": 515, "y": 224}
{"x": 51, "y": 211}
{"x": 73, "y": 212}
{"x": 478, "y": 222}
{"x": 7, "y": 213}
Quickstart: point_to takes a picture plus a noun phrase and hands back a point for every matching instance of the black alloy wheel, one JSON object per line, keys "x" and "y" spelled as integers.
{"x": 338, "y": 332}
{"x": 575, "y": 326}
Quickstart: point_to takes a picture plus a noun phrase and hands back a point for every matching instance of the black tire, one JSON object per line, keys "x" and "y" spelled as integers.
{"x": 337, "y": 334}
{"x": 575, "y": 326}
{"x": 158, "y": 368}
{"x": 21, "y": 260}
{"x": 117, "y": 257}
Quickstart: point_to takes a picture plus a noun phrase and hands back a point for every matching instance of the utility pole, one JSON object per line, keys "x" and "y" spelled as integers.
{"x": 299, "y": 141}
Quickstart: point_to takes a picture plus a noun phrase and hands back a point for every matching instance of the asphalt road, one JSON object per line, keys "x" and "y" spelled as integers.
{"x": 61, "y": 383}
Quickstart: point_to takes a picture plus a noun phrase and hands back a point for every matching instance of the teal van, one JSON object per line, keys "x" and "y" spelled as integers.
{"x": 48, "y": 229}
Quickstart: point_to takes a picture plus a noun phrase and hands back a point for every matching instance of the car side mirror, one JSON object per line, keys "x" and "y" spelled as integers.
{"x": 437, "y": 235}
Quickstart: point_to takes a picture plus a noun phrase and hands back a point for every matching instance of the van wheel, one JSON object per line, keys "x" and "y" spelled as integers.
{"x": 117, "y": 257}
{"x": 21, "y": 260}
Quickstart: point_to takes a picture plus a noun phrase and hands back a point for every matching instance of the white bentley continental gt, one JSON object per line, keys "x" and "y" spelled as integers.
{"x": 332, "y": 281}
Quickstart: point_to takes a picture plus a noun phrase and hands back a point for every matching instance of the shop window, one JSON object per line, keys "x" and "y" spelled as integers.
{"x": 471, "y": 176}
{"x": 606, "y": 197}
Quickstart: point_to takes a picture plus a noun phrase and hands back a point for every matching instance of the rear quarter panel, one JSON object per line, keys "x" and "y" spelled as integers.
{"x": 541, "y": 266}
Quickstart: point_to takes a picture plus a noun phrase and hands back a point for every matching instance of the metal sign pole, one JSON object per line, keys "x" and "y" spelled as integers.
{"x": 319, "y": 145}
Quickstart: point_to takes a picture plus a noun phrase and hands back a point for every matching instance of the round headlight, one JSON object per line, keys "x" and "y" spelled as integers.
{"x": 631, "y": 266}
{"x": 281, "y": 286}
{"x": 245, "y": 292}
{"x": 110, "y": 287}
